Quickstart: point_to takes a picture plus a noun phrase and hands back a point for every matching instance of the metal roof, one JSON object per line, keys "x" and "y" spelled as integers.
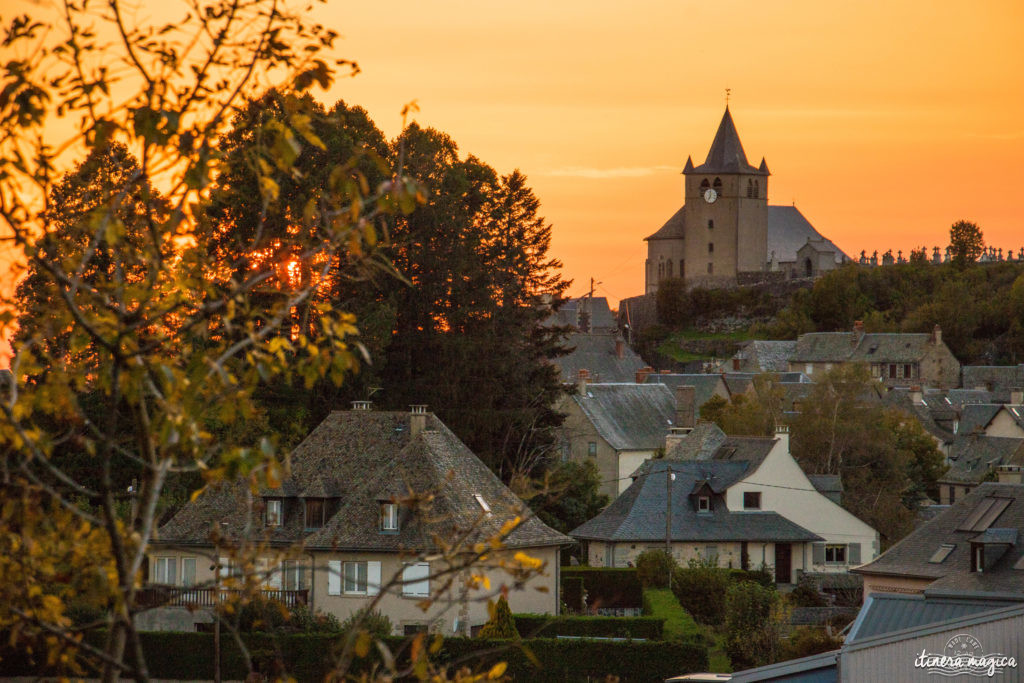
{"x": 884, "y": 613}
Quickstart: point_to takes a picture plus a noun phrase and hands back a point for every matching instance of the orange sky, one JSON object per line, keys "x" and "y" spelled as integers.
{"x": 884, "y": 122}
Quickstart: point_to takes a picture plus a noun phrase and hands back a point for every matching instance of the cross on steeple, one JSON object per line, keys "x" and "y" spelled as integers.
{"x": 727, "y": 92}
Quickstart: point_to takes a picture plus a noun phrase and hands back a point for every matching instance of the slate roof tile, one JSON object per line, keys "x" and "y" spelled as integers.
{"x": 629, "y": 416}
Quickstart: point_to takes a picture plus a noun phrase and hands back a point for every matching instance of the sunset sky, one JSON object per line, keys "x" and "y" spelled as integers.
{"x": 883, "y": 122}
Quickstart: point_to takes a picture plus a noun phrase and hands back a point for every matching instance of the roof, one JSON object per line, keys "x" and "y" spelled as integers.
{"x": 630, "y": 417}
{"x": 788, "y": 231}
{"x": 705, "y": 385}
{"x": 962, "y": 623}
{"x": 770, "y": 356}
{"x": 873, "y": 347}
{"x": 934, "y": 412}
{"x": 587, "y": 314}
{"x": 884, "y": 613}
{"x": 962, "y": 397}
{"x": 911, "y": 556}
{"x": 829, "y": 485}
{"x": 751, "y": 449}
{"x": 674, "y": 228}
{"x": 726, "y": 154}
{"x": 997, "y": 379}
{"x": 700, "y": 444}
{"x": 973, "y": 456}
{"x": 596, "y": 353}
{"x": 356, "y": 460}
{"x": 977, "y": 416}
{"x": 638, "y": 514}
{"x": 819, "y": 668}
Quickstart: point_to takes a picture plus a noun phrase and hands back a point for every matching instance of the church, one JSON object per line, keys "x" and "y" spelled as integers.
{"x": 726, "y": 233}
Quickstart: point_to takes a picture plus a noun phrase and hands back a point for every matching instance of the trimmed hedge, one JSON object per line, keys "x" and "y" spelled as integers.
{"x": 607, "y": 587}
{"x": 546, "y": 626}
{"x": 306, "y": 656}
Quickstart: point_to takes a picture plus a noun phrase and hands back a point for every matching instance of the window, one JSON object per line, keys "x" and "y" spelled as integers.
{"x": 892, "y": 371}
{"x": 808, "y": 368}
{"x": 711, "y": 247}
{"x": 835, "y": 554}
{"x": 291, "y": 573}
{"x": 165, "y": 570}
{"x": 482, "y": 503}
{"x": 908, "y": 371}
{"x": 273, "y": 512}
{"x": 314, "y": 513}
{"x": 711, "y": 554}
{"x": 413, "y": 629}
{"x": 704, "y": 184}
{"x": 416, "y": 580}
{"x": 942, "y": 553}
{"x": 987, "y": 511}
{"x": 757, "y": 189}
{"x": 750, "y": 187}
{"x": 711, "y": 268}
{"x": 711, "y": 224}
{"x": 592, "y": 449}
{"x": 389, "y": 517}
{"x": 751, "y": 500}
{"x": 717, "y": 185}
{"x": 703, "y": 504}
{"x": 978, "y": 559}
{"x": 952, "y": 495}
{"x": 188, "y": 571}
{"x": 682, "y": 268}
{"x": 355, "y": 578}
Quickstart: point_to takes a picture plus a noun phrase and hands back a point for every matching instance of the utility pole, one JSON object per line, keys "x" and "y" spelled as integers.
{"x": 669, "y": 477}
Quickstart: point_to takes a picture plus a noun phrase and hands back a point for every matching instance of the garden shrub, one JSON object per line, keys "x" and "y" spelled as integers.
{"x": 654, "y": 567}
{"x": 700, "y": 588}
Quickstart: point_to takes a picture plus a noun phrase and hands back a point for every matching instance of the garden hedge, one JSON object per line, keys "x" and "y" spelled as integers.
{"x": 607, "y": 587}
{"x": 547, "y": 626}
{"x": 189, "y": 656}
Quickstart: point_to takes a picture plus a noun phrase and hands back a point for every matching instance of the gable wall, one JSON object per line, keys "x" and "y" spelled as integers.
{"x": 576, "y": 433}
{"x": 1003, "y": 424}
{"x": 939, "y": 367}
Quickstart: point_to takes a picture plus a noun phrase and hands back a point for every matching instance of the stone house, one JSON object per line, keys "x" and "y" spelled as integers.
{"x": 749, "y": 504}
{"x": 974, "y": 458}
{"x": 369, "y": 492}
{"x": 900, "y": 359}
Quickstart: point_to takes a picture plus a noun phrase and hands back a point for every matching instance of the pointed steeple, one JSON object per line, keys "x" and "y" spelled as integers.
{"x": 726, "y": 154}
{"x": 763, "y": 168}
{"x": 689, "y": 165}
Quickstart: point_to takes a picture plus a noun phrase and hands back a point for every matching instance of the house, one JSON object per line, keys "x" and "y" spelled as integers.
{"x": 972, "y": 546}
{"x": 617, "y": 426}
{"x": 603, "y": 357}
{"x": 933, "y": 410}
{"x": 587, "y": 314}
{"x": 1004, "y": 383}
{"x": 895, "y": 359}
{"x": 748, "y": 504}
{"x": 973, "y": 458}
{"x": 760, "y": 355}
{"x": 368, "y": 496}
{"x": 705, "y": 386}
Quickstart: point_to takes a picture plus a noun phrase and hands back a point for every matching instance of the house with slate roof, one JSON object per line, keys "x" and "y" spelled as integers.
{"x": 761, "y": 355}
{"x": 1003, "y": 383}
{"x": 361, "y": 514}
{"x": 595, "y": 344}
{"x": 726, "y": 230}
{"x": 895, "y": 359}
{"x": 972, "y": 546}
{"x": 705, "y": 386}
{"x": 616, "y": 426}
{"x": 747, "y": 505}
{"x": 974, "y": 458}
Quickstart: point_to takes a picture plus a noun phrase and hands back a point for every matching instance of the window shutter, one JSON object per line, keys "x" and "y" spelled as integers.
{"x": 415, "y": 581}
{"x": 854, "y": 553}
{"x": 274, "y": 580}
{"x": 372, "y": 578}
{"x": 819, "y": 553}
{"x": 334, "y": 577}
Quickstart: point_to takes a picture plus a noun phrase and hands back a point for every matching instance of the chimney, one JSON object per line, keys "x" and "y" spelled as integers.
{"x": 620, "y": 349}
{"x": 581, "y": 381}
{"x": 641, "y": 374}
{"x": 686, "y": 409}
{"x": 1010, "y": 474}
{"x": 916, "y": 396}
{"x": 417, "y": 419}
{"x": 858, "y": 332}
{"x": 362, "y": 405}
{"x": 936, "y": 334}
{"x": 782, "y": 434}
{"x": 1016, "y": 396}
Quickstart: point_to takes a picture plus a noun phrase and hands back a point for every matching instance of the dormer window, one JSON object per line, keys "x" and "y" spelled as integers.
{"x": 482, "y": 503}
{"x": 273, "y": 515}
{"x": 703, "y": 504}
{"x": 315, "y": 512}
{"x": 389, "y": 517}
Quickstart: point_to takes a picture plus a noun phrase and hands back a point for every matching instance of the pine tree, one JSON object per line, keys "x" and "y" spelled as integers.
{"x": 501, "y": 624}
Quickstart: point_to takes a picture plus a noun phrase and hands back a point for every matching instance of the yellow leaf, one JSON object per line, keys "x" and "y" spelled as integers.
{"x": 497, "y": 671}
{"x": 362, "y": 648}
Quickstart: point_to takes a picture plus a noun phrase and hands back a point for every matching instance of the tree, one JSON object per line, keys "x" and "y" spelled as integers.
{"x": 568, "y": 495}
{"x": 966, "y": 243}
{"x": 501, "y": 624}
{"x": 749, "y": 415}
{"x": 752, "y": 624}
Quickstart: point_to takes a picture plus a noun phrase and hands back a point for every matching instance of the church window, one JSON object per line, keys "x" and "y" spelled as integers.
{"x": 750, "y": 187}
{"x": 711, "y": 268}
{"x": 704, "y": 185}
{"x": 757, "y": 189}
{"x": 682, "y": 268}
{"x": 661, "y": 270}
{"x": 669, "y": 268}
{"x": 717, "y": 185}
{"x": 711, "y": 224}
{"x": 711, "y": 247}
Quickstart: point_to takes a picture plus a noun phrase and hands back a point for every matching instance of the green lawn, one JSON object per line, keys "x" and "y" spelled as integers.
{"x": 662, "y": 603}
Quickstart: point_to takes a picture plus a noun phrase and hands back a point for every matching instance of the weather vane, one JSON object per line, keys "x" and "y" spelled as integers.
{"x": 727, "y": 91}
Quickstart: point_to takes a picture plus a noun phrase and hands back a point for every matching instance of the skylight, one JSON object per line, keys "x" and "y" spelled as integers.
{"x": 483, "y": 503}
{"x": 942, "y": 553}
{"x": 987, "y": 511}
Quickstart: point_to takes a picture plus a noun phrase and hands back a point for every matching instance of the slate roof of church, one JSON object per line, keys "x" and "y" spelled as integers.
{"x": 674, "y": 228}
{"x": 360, "y": 459}
{"x": 639, "y": 513}
{"x": 726, "y": 154}
{"x": 596, "y": 354}
{"x": 629, "y": 416}
{"x": 911, "y": 556}
{"x": 973, "y": 456}
{"x": 788, "y": 231}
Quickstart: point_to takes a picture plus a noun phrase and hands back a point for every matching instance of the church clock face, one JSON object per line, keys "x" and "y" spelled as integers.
{"x": 710, "y": 196}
